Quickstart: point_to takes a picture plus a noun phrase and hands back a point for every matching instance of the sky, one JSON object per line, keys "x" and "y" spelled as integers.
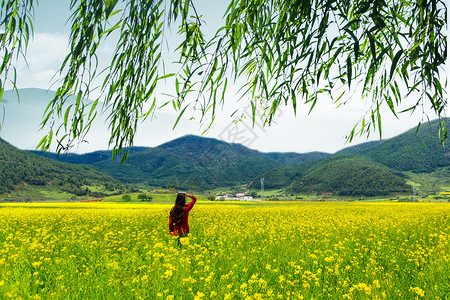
{"x": 324, "y": 129}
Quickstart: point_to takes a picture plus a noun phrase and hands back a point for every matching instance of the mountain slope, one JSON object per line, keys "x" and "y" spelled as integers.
{"x": 343, "y": 174}
{"x": 351, "y": 175}
{"x": 367, "y": 169}
{"x": 292, "y": 158}
{"x": 413, "y": 151}
{"x": 358, "y": 148}
{"x": 87, "y": 158}
{"x": 191, "y": 161}
{"x": 198, "y": 161}
{"x": 20, "y": 167}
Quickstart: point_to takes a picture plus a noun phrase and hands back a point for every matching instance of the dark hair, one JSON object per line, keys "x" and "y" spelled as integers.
{"x": 177, "y": 211}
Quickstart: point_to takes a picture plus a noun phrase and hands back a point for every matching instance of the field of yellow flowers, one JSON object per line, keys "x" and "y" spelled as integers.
{"x": 234, "y": 251}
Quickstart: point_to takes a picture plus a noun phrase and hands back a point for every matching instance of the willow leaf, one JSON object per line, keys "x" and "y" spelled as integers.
{"x": 394, "y": 62}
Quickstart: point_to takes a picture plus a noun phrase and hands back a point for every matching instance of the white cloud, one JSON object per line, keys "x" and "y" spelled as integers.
{"x": 44, "y": 56}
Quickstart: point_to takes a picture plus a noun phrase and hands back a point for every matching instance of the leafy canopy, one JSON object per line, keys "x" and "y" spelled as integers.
{"x": 285, "y": 52}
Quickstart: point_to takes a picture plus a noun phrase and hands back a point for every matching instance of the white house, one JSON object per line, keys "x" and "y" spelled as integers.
{"x": 226, "y": 197}
{"x": 246, "y": 198}
{"x": 239, "y": 196}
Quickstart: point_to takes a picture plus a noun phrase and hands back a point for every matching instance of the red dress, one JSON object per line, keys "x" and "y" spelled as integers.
{"x": 182, "y": 227}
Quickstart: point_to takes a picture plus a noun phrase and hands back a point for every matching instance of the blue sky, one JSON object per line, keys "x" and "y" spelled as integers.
{"x": 322, "y": 130}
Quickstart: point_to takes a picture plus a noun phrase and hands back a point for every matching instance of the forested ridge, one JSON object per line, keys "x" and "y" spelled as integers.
{"x": 87, "y": 158}
{"x": 18, "y": 167}
{"x": 342, "y": 174}
{"x": 201, "y": 162}
{"x": 351, "y": 176}
{"x": 373, "y": 168}
{"x": 417, "y": 150}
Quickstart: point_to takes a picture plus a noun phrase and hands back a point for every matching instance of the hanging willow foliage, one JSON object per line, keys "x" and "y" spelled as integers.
{"x": 284, "y": 52}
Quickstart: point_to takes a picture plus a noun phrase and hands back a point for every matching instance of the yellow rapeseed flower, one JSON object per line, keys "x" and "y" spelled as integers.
{"x": 418, "y": 291}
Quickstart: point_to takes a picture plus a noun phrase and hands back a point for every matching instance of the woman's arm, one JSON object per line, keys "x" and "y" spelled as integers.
{"x": 190, "y": 205}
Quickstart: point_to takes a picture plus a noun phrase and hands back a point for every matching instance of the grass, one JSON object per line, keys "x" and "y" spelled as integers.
{"x": 236, "y": 250}
{"x": 431, "y": 183}
{"x": 156, "y": 198}
{"x": 37, "y": 193}
{"x": 49, "y": 194}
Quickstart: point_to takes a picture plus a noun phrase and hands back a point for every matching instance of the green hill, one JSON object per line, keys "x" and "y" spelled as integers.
{"x": 248, "y": 167}
{"x": 283, "y": 176}
{"x": 415, "y": 150}
{"x": 205, "y": 163}
{"x": 87, "y": 158}
{"x": 20, "y": 168}
{"x": 352, "y": 176}
{"x": 191, "y": 161}
{"x": 343, "y": 174}
{"x": 372, "y": 168}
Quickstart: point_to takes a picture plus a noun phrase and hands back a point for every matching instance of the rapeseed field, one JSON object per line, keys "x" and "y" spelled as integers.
{"x": 265, "y": 251}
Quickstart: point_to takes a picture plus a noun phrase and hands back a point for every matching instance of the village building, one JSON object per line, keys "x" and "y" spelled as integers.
{"x": 238, "y": 197}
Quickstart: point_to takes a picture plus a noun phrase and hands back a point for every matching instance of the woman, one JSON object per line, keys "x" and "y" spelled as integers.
{"x": 178, "y": 218}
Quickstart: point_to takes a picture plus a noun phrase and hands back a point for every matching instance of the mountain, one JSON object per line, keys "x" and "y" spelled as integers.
{"x": 188, "y": 161}
{"x": 358, "y": 148}
{"x": 198, "y": 161}
{"x": 350, "y": 176}
{"x": 343, "y": 174}
{"x": 373, "y": 168}
{"x": 417, "y": 150}
{"x": 21, "y": 168}
{"x": 87, "y": 158}
{"x": 185, "y": 162}
{"x": 193, "y": 161}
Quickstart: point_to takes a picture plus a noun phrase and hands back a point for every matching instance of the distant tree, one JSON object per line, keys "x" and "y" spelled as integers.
{"x": 144, "y": 197}
{"x": 211, "y": 197}
{"x": 285, "y": 52}
{"x": 126, "y": 198}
